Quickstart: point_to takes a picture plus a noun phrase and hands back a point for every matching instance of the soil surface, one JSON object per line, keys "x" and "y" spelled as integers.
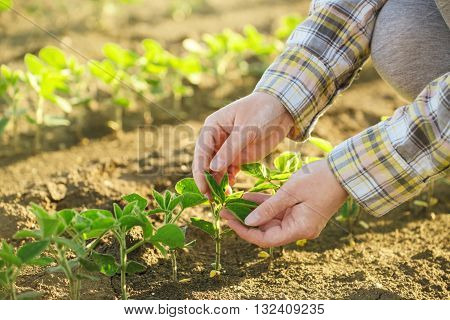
{"x": 403, "y": 255}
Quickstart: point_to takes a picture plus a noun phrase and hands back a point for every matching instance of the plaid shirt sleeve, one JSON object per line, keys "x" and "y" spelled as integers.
{"x": 321, "y": 58}
{"x": 389, "y": 163}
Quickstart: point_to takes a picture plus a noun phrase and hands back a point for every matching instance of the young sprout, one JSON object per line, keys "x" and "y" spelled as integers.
{"x": 67, "y": 234}
{"x": 171, "y": 206}
{"x": 49, "y": 84}
{"x": 287, "y": 25}
{"x": 272, "y": 179}
{"x": 123, "y": 220}
{"x": 233, "y": 202}
{"x": 12, "y": 261}
{"x": 116, "y": 71}
{"x": 10, "y": 94}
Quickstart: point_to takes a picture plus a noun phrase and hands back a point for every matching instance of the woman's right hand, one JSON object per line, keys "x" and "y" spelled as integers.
{"x": 241, "y": 132}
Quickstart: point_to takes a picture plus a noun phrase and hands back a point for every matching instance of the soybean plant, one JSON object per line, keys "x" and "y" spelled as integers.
{"x": 116, "y": 71}
{"x": 123, "y": 220}
{"x": 12, "y": 261}
{"x": 67, "y": 234}
{"x": 172, "y": 206}
{"x": 10, "y": 93}
{"x": 233, "y": 202}
{"x": 272, "y": 179}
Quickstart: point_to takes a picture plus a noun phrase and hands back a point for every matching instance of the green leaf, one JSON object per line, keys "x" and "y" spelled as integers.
{"x": 176, "y": 200}
{"x": 169, "y": 235}
{"x": 167, "y": 198}
{"x": 5, "y": 5}
{"x": 58, "y": 269}
{"x": 280, "y": 176}
{"x": 122, "y": 57}
{"x": 70, "y": 244}
{"x": 147, "y": 227}
{"x": 130, "y": 221}
{"x": 215, "y": 188}
{"x": 135, "y": 267}
{"x": 49, "y": 223}
{"x": 3, "y": 123}
{"x": 256, "y": 170}
{"x": 89, "y": 265}
{"x": 240, "y": 208}
{"x": 287, "y": 162}
{"x": 34, "y": 64}
{"x": 53, "y": 56}
{"x": 106, "y": 262}
{"x": 322, "y": 144}
{"x": 10, "y": 258}
{"x": 224, "y": 183}
{"x": 203, "y": 225}
{"x": 41, "y": 262}
{"x": 103, "y": 224}
{"x": 159, "y": 199}
{"x": 23, "y": 234}
{"x": 131, "y": 208}
{"x": 94, "y": 214}
{"x": 187, "y": 185}
{"x": 262, "y": 187}
{"x": 141, "y": 201}
{"x": 31, "y": 250}
{"x": 84, "y": 276}
{"x": 103, "y": 70}
{"x": 67, "y": 215}
{"x": 117, "y": 211}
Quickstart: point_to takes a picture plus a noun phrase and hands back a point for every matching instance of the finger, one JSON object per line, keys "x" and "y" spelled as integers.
{"x": 273, "y": 206}
{"x": 259, "y": 149}
{"x": 203, "y": 153}
{"x": 238, "y": 139}
{"x": 257, "y": 197}
{"x": 255, "y": 236}
{"x": 227, "y": 215}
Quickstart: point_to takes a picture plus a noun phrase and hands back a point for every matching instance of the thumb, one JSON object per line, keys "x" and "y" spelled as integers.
{"x": 238, "y": 139}
{"x": 269, "y": 209}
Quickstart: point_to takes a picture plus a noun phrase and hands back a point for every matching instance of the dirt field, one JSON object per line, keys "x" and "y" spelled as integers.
{"x": 404, "y": 255}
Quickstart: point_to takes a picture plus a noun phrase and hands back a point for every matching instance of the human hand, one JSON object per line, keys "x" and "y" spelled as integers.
{"x": 300, "y": 209}
{"x": 243, "y": 131}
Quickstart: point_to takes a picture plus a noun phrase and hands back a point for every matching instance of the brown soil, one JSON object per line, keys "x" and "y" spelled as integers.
{"x": 404, "y": 255}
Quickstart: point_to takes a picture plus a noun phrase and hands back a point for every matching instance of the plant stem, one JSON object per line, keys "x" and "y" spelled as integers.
{"x": 39, "y": 123}
{"x": 73, "y": 282}
{"x": 271, "y": 252}
{"x": 12, "y": 287}
{"x": 135, "y": 246}
{"x": 123, "y": 267}
{"x": 173, "y": 257}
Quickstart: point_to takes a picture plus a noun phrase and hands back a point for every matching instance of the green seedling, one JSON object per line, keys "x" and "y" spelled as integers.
{"x": 70, "y": 238}
{"x": 167, "y": 237}
{"x": 426, "y": 200}
{"x": 171, "y": 206}
{"x": 49, "y": 84}
{"x": 229, "y": 54}
{"x": 12, "y": 261}
{"x": 271, "y": 180}
{"x": 233, "y": 202}
{"x": 78, "y": 88}
{"x": 169, "y": 75}
{"x": 116, "y": 72}
{"x": 11, "y": 96}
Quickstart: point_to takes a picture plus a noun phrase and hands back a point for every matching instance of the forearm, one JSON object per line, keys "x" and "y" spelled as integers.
{"x": 321, "y": 58}
{"x": 389, "y": 163}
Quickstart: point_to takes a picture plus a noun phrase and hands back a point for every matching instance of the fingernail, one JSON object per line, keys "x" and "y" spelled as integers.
{"x": 216, "y": 165}
{"x": 252, "y": 219}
